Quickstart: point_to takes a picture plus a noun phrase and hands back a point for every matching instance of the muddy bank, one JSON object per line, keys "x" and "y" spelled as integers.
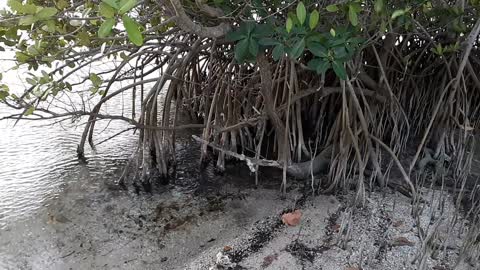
{"x": 90, "y": 227}
{"x": 203, "y": 220}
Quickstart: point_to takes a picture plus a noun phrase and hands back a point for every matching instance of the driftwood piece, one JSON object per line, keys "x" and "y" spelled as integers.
{"x": 300, "y": 170}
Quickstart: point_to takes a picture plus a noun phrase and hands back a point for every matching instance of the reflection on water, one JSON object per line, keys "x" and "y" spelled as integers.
{"x": 37, "y": 158}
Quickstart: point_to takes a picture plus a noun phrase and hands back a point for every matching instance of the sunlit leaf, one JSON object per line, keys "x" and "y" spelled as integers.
{"x": 398, "y": 13}
{"x": 378, "y": 6}
{"x": 301, "y": 13}
{"x": 332, "y": 8}
{"x": 314, "y": 17}
{"x": 113, "y": 3}
{"x": 62, "y": 4}
{"x": 27, "y": 20}
{"x": 3, "y": 94}
{"x": 15, "y": 6}
{"x": 289, "y": 25}
{"x": 127, "y": 6}
{"x": 20, "y": 8}
{"x": 83, "y": 38}
{"x": 133, "y": 31}
{"x": 106, "y": 10}
{"x": 332, "y": 32}
{"x": 31, "y": 81}
{"x": 95, "y": 79}
{"x": 29, "y": 111}
{"x": 106, "y": 28}
{"x": 46, "y": 13}
{"x": 352, "y": 16}
{"x": 22, "y": 57}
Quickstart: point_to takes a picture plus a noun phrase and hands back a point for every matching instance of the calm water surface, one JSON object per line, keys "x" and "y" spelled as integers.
{"x": 37, "y": 158}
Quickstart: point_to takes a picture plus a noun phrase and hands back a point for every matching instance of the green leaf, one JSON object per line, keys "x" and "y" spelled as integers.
{"x": 46, "y": 13}
{"x": 332, "y": 32}
{"x": 339, "y": 70}
{"x": 124, "y": 56}
{"x": 113, "y": 3}
{"x": 262, "y": 30}
{"x": 106, "y": 10}
{"x": 289, "y": 24}
{"x": 127, "y": 6}
{"x": 332, "y": 8}
{"x": 3, "y": 94}
{"x": 323, "y": 67}
{"x": 301, "y": 13}
{"x": 49, "y": 26}
{"x": 134, "y": 34}
{"x": 15, "y": 6}
{"x": 352, "y": 15}
{"x": 20, "y": 8}
{"x": 378, "y": 6}
{"x": 84, "y": 38}
{"x": 318, "y": 65}
{"x": 318, "y": 50}
{"x": 241, "y": 50}
{"x": 62, "y": 4}
{"x": 278, "y": 52}
{"x": 398, "y": 13}
{"x": 29, "y": 111}
{"x": 298, "y": 49}
{"x": 93, "y": 90}
{"x": 314, "y": 17}
{"x": 31, "y": 81}
{"x": 340, "y": 52}
{"x": 312, "y": 64}
{"x": 253, "y": 47}
{"x": 27, "y": 20}
{"x": 96, "y": 80}
{"x": 268, "y": 42}
{"x": 22, "y": 57}
{"x": 106, "y": 28}
{"x": 235, "y": 36}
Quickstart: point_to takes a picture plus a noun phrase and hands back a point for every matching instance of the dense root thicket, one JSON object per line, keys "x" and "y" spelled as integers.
{"x": 411, "y": 88}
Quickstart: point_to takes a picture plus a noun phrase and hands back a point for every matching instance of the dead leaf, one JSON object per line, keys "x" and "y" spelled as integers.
{"x": 227, "y": 248}
{"x": 269, "y": 260}
{"x": 398, "y": 223}
{"x": 401, "y": 241}
{"x": 293, "y": 218}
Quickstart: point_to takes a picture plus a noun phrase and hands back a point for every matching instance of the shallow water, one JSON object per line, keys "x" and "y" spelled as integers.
{"x": 38, "y": 158}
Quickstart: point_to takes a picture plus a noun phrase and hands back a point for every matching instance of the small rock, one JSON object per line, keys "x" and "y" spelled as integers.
{"x": 164, "y": 259}
{"x": 224, "y": 261}
{"x": 227, "y": 248}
